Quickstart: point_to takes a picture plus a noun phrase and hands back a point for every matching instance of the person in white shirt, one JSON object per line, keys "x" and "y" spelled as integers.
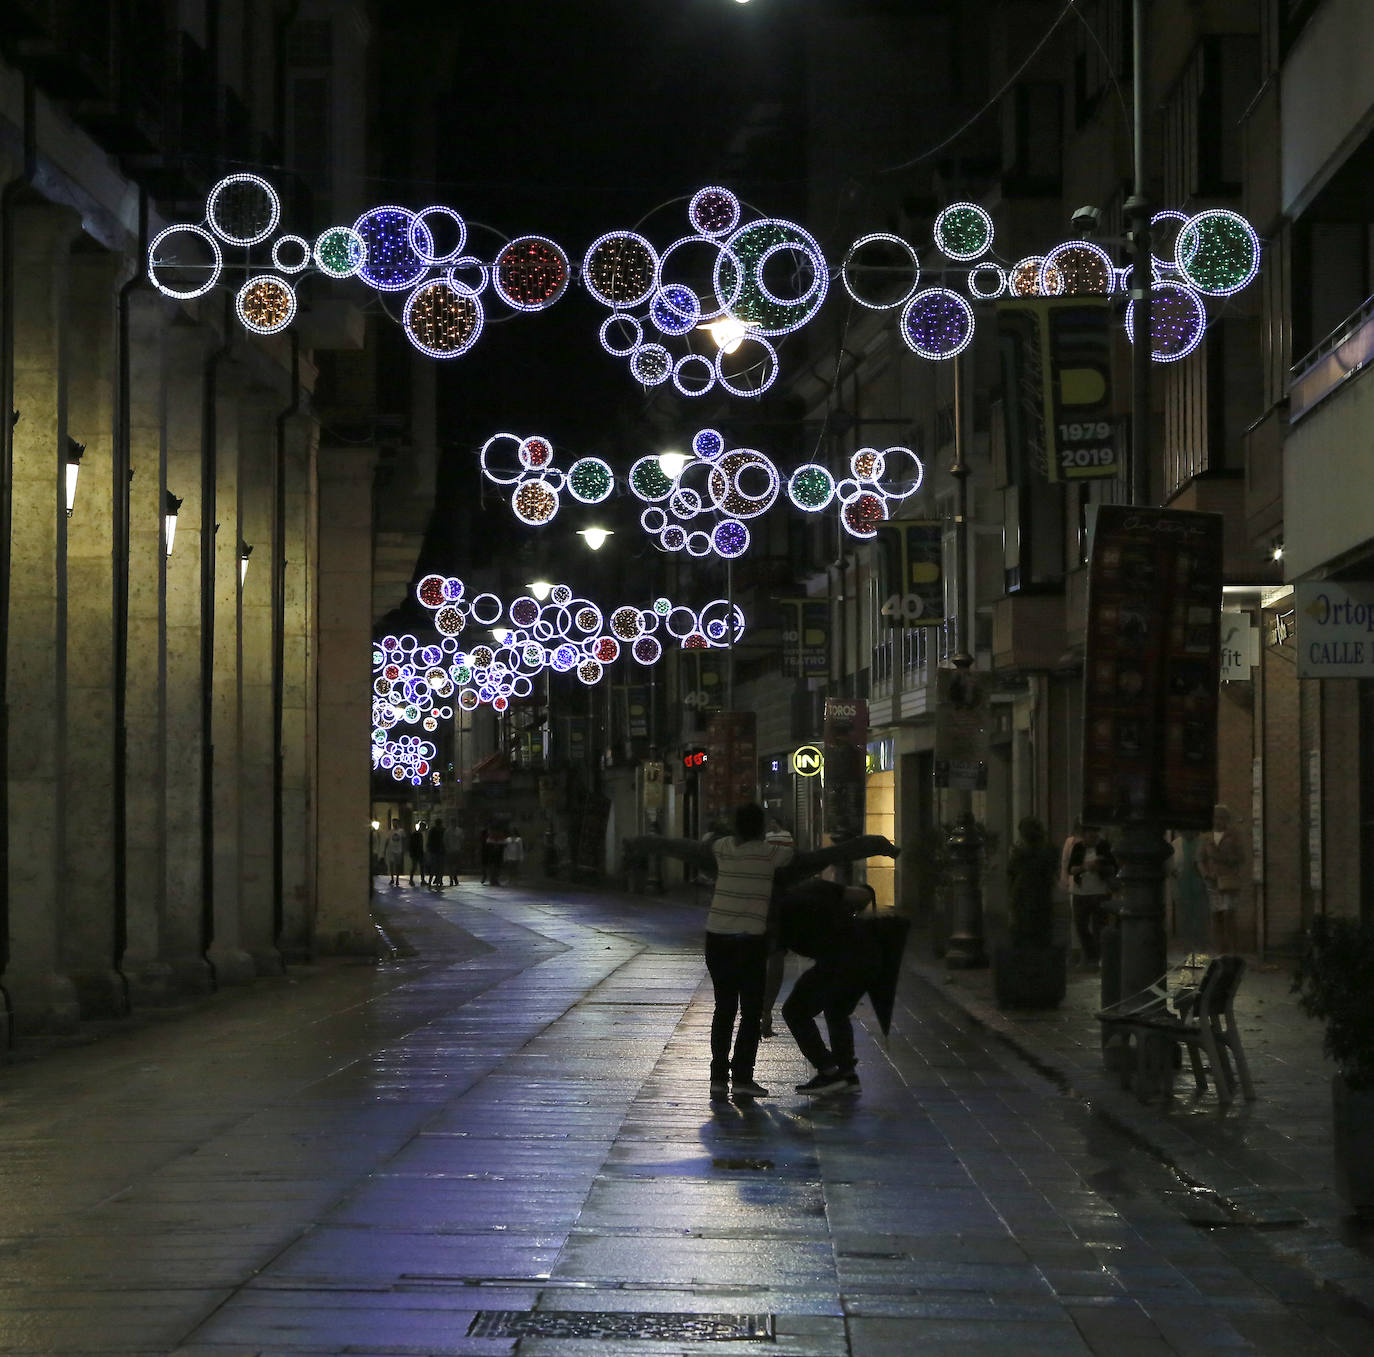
{"x": 737, "y": 926}
{"x": 395, "y": 852}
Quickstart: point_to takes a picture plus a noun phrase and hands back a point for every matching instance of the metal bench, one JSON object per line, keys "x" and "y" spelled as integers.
{"x": 1201, "y": 1017}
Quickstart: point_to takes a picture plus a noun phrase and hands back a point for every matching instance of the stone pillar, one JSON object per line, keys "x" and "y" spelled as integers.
{"x": 147, "y": 971}
{"x": 43, "y": 998}
{"x": 344, "y": 711}
{"x": 231, "y": 963}
{"x": 298, "y": 693}
{"x": 257, "y": 497}
{"x": 184, "y": 932}
{"x": 90, "y": 932}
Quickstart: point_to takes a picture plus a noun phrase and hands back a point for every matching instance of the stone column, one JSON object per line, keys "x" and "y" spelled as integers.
{"x": 43, "y": 998}
{"x": 147, "y": 971}
{"x": 343, "y": 920}
{"x": 257, "y": 496}
{"x": 183, "y": 926}
{"x": 298, "y": 692}
{"x": 231, "y": 963}
{"x": 90, "y": 931}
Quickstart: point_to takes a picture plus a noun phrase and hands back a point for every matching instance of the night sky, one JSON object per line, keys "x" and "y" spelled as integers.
{"x": 569, "y": 120}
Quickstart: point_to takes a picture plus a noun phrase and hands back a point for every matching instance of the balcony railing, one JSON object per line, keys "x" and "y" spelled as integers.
{"x": 1346, "y": 351}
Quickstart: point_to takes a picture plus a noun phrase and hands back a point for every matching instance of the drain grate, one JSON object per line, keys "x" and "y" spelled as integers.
{"x": 619, "y": 1324}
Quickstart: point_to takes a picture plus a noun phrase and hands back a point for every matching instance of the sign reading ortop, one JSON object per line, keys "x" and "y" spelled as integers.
{"x": 1335, "y": 629}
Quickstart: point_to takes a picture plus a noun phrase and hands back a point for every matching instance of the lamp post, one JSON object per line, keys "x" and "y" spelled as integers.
{"x": 1135, "y": 951}
{"x": 964, "y": 948}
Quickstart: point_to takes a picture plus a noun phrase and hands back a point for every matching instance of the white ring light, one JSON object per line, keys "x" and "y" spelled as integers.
{"x": 639, "y": 298}
{"x": 887, "y": 238}
{"x": 426, "y": 251}
{"x": 301, "y": 244}
{"x": 274, "y": 212}
{"x": 188, "y": 293}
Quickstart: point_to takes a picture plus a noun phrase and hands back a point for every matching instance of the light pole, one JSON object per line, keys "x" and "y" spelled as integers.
{"x": 964, "y": 948}
{"x": 1137, "y": 955}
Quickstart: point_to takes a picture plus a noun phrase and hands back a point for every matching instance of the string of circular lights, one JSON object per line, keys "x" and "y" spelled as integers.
{"x": 702, "y": 508}
{"x": 700, "y": 312}
{"x": 421, "y": 683}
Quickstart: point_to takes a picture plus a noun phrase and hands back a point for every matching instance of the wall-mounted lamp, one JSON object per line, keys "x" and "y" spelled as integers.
{"x": 595, "y": 537}
{"x": 245, "y": 551}
{"x": 171, "y": 506}
{"x": 1276, "y": 550}
{"x": 540, "y": 589}
{"x": 74, "y": 451}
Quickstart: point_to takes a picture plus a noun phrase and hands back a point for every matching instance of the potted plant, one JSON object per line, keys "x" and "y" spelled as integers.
{"x": 1333, "y": 983}
{"x": 1029, "y": 970}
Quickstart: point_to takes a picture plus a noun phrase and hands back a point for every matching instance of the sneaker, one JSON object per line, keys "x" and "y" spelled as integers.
{"x": 749, "y": 1088}
{"x": 825, "y": 1083}
{"x": 719, "y": 1088}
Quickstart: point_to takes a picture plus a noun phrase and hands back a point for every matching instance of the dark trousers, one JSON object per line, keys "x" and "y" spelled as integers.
{"x": 738, "y": 968}
{"x": 1088, "y": 921}
{"x": 831, "y": 987}
{"x": 492, "y": 859}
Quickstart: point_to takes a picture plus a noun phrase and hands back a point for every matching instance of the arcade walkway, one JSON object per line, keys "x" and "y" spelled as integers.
{"x": 499, "y": 1141}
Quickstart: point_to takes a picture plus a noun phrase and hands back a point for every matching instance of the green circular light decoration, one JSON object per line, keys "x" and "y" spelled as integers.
{"x": 963, "y": 231}
{"x": 340, "y": 252}
{"x": 811, "y": 488}
{"x": 739, "y": 276}
{"x": 648, "y": 481}
{"x": 1217, "y": 252}
{"x": 590, "y": 480}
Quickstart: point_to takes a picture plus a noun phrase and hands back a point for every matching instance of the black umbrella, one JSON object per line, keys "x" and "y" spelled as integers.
{"x": 886, "y": 937}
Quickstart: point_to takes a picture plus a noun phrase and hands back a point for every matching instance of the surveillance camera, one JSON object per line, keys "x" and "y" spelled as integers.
{"x": 1085, "y": 220}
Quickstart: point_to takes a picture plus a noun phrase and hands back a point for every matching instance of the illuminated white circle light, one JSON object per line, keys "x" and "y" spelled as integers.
{"x": 421, "y": 239}
{"x": 295, "y": 242}
{"x": 1217, "y": 252}
{"x": 214, "y": 268}
{"x": 243, "y": 209}
{"x": 986, "y": 292}
{"x": 531, "y": 273}
{"x": 442, "y": 321}
{"x": 850, "y": 268}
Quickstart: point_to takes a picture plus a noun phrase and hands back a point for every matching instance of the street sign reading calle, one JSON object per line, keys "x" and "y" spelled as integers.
{"x": 807, "y": 761}
{"x": 1335, "y": 629}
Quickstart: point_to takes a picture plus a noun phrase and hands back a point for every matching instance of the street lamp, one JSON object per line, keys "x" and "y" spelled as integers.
{"x": 540, "y": 589}
{"x": 729, "y": 332}
{"x": 74, "y": 451}
{"x": 595, "y": 538}
{"x": 171, "y": 506}
{"x": 245, "y": 551}
{"x": 671, "y": 463}
{"x": 500, "y": 633}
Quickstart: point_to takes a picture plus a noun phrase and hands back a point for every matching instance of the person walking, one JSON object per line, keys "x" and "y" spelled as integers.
{"x": 394, "y": 850}
{"x": 416, "y": 847}
{"x": 777, "y": 955}
{"x": 514, "y": 856}
{"x": 453, "y": 853}
{"x": 434, "y": 855}
{"x": 816, "y": 920}
{"x": 1221, "y": 863}
{"x": 1091, "y": 870}
{"x": 737, "y": 943}
{"x": 495, "y": 855}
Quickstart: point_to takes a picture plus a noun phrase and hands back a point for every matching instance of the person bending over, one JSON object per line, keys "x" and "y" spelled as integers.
{"x": 737, "y": 944}
{"x": 816, "y": 920}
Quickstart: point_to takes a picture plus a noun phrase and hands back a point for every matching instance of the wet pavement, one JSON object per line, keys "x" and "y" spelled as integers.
{"x": 499, "y": 1141}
